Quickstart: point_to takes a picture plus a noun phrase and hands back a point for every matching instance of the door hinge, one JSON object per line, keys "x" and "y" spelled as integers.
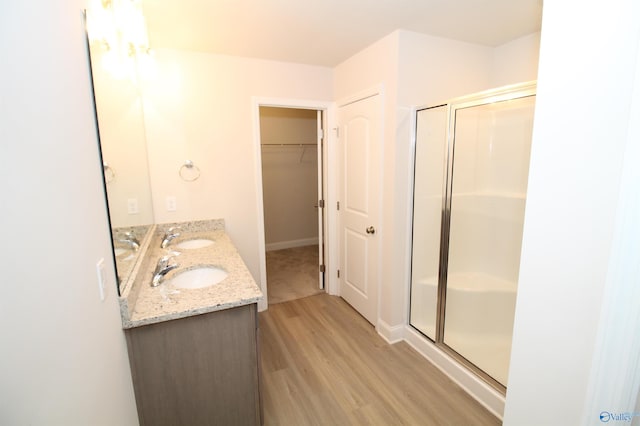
{"x": 337, "y": 129}
{"x": 321, "y": 204}
{"x": 321, "y": 134}
{"x": 338, "y": 205}
{"x": 322, "y": 268}
{"x": 338, "y": 273}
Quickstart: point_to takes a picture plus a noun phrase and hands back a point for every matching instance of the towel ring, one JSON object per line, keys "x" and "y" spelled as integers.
{"x": 109, "y": 173}
{"x": 189, "y": 171}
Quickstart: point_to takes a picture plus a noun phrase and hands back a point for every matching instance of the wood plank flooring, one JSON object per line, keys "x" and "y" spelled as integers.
{"x": 324, "y": 364}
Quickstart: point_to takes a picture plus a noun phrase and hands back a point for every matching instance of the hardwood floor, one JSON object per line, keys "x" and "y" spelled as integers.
{"x": 324, "y": 364}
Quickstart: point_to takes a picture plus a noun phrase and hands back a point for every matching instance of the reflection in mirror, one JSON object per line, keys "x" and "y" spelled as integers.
{"x": 122, "y": 138}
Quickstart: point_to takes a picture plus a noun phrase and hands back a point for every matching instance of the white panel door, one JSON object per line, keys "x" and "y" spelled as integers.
{"x": 360, "y": 142}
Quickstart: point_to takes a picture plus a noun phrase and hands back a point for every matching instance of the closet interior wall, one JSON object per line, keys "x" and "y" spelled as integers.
{"x": 289, "y": 176}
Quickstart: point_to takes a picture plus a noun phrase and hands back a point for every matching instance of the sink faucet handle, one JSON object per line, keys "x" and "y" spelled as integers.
{"x": 171, "y": 254}
{"x": 133, "y": 244}
{"x": 168, "y": 237}
{"x": 172, "y": 229}
{"x": 163, "y": 269}
{"x": 131, "y": 239}
{"x": 164, "y": 260}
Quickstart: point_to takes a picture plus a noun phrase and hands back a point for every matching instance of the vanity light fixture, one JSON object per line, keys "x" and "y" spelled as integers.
{"x": 119, "y": 27}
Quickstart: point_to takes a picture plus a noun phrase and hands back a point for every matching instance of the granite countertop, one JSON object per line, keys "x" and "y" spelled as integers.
{"x": 143, "y": 304}
{"x": 126, "y": 256}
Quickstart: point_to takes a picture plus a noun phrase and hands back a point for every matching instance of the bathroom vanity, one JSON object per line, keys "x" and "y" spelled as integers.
{"x": 193, "y": 347}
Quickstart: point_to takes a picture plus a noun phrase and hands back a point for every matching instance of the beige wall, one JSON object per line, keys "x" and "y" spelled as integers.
{"x": 288, "y": 126}
{"x": 289, "y": 176}
{"x": 64, "y": 358}
{"x": 199, "y": 106}
{"x": 123, "y": 143}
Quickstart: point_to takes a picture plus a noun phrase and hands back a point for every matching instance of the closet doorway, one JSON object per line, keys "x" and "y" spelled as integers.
{"x": 292, "y": 188}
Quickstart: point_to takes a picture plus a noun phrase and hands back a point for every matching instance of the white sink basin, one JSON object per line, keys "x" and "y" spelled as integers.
{"x": 194, "y": 244}
{"x": 201, "y": 277}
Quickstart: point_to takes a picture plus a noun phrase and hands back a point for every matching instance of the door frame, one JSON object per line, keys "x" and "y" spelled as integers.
{"x": 329, "y": 184}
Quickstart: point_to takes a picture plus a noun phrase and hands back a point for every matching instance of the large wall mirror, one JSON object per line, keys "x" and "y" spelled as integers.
{"x": 121, "y": 126}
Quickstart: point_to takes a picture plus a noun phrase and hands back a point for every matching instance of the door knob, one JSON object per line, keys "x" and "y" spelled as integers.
{"x": 371, "y": 230}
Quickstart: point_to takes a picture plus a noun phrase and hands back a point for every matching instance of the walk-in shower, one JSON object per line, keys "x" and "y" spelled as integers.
{"x": 471, "y": 169}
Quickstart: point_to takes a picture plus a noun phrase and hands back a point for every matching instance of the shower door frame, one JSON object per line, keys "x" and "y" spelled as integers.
{"x": 506, "y": 93}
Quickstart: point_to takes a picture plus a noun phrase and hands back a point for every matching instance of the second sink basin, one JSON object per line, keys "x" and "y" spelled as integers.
{"x": 194, "y": 244}
{"x": 201, "y": 277}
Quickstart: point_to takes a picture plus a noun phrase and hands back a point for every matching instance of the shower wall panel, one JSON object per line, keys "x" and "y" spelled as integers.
{"x": 490, "y": 167}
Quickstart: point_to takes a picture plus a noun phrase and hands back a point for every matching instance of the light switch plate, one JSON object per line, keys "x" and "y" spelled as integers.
{"x": 132, "y": 206}
{"x": 171, "y": 203}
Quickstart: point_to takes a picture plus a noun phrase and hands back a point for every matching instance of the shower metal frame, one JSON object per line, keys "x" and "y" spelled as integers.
{"x": 506, "y": 93}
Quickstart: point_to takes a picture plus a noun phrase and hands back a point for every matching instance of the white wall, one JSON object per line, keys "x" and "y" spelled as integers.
{"x": 572, "y": 255}
{"x": 516, "y": 61}
{"x": 199, "y": 107}
{"x": 63, "y": 358}
{"x": 435, "y": 69}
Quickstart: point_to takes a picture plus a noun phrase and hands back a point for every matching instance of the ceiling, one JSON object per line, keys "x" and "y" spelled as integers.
{"x": 326, "y": 32}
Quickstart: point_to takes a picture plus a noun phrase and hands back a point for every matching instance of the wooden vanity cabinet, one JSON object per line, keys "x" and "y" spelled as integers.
{"x": 199, "y": 370}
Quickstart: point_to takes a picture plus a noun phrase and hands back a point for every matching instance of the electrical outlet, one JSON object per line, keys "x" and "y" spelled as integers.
{"x": 132, "y": 206}
{"x": 171, "y": 203}
{"x": 102, "y": 279}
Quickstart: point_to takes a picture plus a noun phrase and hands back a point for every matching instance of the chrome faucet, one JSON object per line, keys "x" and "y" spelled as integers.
{"x": 130, "y": 240}
{"x": 163, "y": 267}
{"x": 169, "y": 236}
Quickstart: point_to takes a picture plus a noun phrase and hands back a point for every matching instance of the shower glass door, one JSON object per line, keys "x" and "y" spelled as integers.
{"x": 491, "y": 147}
{"x": 430, "y": 171}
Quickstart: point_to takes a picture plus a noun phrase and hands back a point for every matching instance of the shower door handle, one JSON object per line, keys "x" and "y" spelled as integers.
{"x": 371, "y": 230}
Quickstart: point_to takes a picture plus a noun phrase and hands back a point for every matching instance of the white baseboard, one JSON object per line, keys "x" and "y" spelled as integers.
{"x": 280, "y": 245}
{"x": 390, "y": 334}
{"x": 490, "y": 398}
